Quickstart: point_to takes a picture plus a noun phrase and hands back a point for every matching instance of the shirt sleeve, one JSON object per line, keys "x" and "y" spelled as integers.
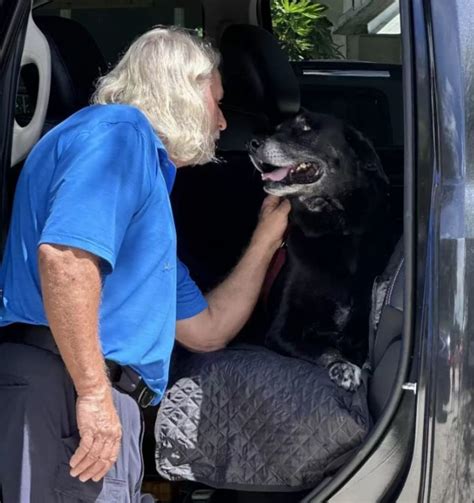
{"x": 190, "y": 300}
{"x": 101, "y": 183}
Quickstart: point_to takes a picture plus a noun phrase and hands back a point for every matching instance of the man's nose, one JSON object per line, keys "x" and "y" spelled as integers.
{"x": 222, "y": 123}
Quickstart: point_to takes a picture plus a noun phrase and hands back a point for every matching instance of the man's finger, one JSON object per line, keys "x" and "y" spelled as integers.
{"x": 271, "y": 200}
{"x": 109, "y": 455}
{"x": 100, "y": 465}
{"x": 285, "y": 206}
{"x": 110, "y": 449}
{"x": 84, "y": 465}
{"x": 105, "y": 454}
{"x": 89, "y": 459}
{"x": 85, "y": 444}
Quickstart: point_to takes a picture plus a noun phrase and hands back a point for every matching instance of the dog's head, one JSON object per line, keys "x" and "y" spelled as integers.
{"x": 317, "y": 159}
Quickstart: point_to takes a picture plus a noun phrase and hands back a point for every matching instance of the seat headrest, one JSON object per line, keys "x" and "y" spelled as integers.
{"x": 76, "y": 63}
{"x": 257, "y": 75}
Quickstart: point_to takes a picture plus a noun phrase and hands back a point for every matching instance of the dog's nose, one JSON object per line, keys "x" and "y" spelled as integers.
{"x": 254, "y": 144}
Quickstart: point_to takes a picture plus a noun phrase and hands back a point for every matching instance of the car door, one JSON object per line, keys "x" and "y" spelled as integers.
{"x": 21, "y": 44}
{"x": 13, "y": 22}
{"x": 430, "y": 457}
{"x": 443, "y": 456}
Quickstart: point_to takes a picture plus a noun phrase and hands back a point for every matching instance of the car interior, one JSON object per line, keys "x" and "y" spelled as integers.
{"x": 216, "y": 205}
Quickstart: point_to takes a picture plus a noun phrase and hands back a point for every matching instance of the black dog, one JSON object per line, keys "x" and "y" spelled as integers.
{"x": 320, "y": 301}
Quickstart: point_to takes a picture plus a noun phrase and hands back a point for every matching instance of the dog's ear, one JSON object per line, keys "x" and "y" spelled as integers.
{"x": 365, "y": 152}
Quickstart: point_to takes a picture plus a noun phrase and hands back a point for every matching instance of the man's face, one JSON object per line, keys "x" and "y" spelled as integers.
{"x": 214, "y": 95}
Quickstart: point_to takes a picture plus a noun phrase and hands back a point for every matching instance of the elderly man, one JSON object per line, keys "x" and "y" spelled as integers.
{"x": 93, "y": 293}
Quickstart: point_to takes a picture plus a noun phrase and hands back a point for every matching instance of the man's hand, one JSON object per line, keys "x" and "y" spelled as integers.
{"x": 272, "y": 222}
{"x": 100, "y": 432}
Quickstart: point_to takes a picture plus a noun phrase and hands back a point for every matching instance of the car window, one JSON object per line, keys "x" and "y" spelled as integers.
{"x": 363, "y": 30}
{"x": 114, "y": 24}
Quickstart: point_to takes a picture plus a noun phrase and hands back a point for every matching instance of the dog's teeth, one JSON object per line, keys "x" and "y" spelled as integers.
{"x": 302, "y": 167}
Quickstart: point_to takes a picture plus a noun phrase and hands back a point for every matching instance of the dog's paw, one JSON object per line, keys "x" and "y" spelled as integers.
{"x": 346, "y": 375}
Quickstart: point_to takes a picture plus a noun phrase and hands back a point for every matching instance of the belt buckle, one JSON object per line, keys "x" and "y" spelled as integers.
{"x": 145, "y": 396}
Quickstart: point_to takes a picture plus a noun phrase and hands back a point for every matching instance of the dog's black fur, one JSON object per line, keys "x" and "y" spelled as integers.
{"x": 320, "y": 303}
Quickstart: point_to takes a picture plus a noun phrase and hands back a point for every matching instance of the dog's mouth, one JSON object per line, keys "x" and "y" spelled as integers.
{"x": 303, "y": 173}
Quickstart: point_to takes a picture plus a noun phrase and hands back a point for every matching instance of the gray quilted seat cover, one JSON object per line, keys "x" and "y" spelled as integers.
{"x": 250, "y": 419}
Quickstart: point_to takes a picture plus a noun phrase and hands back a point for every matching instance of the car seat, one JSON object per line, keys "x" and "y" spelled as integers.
{"x": 386, "y": 331}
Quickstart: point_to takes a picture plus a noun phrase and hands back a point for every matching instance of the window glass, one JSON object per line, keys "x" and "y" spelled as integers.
{"x": 363, "y": 30}
{"x": 114, "y": 24}
{"x": 27, "y": 94}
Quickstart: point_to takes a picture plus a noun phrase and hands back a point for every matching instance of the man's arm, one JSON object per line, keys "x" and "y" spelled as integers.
{"x": 232, "y": 302}
{"x": 71, "y": 288}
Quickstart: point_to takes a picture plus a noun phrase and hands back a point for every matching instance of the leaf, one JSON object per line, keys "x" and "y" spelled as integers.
{"x": 303, "y": 29}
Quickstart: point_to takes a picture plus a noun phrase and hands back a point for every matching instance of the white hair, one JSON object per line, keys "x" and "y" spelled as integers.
{"x": 164, "y": 73}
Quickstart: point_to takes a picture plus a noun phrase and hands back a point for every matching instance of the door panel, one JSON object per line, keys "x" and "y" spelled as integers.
{"x": 13, "y": 23}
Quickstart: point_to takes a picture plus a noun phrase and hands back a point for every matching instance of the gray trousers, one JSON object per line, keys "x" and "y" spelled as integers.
{"x": 38, "y": 434}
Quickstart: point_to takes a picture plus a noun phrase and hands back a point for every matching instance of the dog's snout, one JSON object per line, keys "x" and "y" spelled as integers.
{"x": 254, "y": 145}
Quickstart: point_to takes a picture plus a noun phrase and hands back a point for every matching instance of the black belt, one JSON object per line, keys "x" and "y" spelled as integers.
{"x": 122, "y": 377}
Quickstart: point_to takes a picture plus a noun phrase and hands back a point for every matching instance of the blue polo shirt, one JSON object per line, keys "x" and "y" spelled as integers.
{"x": 100, "y": 181}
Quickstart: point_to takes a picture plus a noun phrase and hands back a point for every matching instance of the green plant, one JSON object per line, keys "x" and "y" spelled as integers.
{"x": 303, "y": 30}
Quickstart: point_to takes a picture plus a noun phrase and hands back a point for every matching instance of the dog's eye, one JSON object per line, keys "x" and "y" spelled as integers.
{"x": 306, "y": 127}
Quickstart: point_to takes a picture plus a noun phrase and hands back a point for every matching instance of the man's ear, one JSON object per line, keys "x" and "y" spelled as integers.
{"x": 365, "y": 152}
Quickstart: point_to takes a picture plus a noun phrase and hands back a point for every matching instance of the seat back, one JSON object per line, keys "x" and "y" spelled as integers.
{"x": 76, "y": 63}
{"x": 386, "y": 331}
